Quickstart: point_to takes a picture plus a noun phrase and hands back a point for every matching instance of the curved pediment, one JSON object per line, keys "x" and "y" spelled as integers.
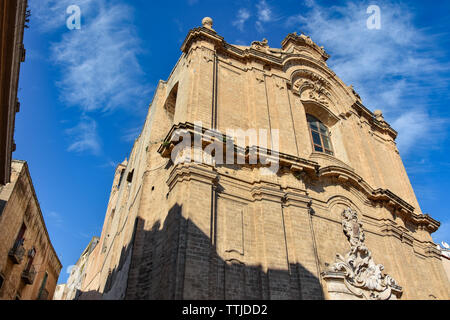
{"x": 313, "y": 88}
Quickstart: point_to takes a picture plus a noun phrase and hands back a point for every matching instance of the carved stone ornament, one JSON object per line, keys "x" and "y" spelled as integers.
{"x": 261, "y": 45}
{"x": 316, "y": 85}
{"x": 356, "y": 273}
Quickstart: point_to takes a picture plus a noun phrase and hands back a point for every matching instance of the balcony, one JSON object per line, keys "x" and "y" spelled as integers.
{"x": 17, "y": 253}
{"x": 29, "y": 275}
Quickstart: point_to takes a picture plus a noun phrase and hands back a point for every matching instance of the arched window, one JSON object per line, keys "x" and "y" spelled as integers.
{"x": 320, "y": 135}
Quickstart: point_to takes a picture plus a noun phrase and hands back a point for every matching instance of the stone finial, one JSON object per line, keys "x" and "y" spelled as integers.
{"x": 379, "y": 115}
{"x": 207, "y": 22}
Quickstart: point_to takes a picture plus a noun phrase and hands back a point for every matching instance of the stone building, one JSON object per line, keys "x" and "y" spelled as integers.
{"x": 71, "y": 290}
{"x": 445, "y": 253}
{"x": 336, "y": 219}
{"x": 13, "y": 16}
{"x": 29, "y": 266}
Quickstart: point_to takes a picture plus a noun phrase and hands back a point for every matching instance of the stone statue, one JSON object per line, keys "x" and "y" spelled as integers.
{"x": 362, "y": 277}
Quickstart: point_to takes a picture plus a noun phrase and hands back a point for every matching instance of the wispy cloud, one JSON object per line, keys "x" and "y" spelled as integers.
{"x": 54, "y": 218}
{"x": 99, "y": 64}
{"x": 85, "y": 137}
{"x": 131, "y": 135}
{"x": 391, "y": 68}
{"x": 242, "y": 16}
{"x": 264, "y": 15}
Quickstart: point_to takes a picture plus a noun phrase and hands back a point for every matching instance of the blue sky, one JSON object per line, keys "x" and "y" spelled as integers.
{"x": 85, "y": 93}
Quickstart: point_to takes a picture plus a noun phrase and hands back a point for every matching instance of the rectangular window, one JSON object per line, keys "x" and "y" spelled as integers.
{"x": 121, "y": 177}
{"x": 42, "y": 289}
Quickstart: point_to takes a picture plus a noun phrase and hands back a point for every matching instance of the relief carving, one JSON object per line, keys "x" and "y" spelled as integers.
{"x": 261, "y": 45}
{"x": 361, "y": 275}
{"x": 312, "y": 87}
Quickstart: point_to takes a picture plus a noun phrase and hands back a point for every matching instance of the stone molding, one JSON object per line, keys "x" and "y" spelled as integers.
{"x": 300, "y": 167}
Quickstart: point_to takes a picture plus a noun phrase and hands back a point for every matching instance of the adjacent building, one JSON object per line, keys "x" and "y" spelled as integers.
{"x": 29, "y": 265}
{"x": 13, "y": 16}
{"x": 445, "y": 253}
{"x": 72, "y": 289}
{"x": 313, "y": 201}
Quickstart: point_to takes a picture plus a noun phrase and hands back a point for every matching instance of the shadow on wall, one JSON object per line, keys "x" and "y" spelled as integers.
{"x": 179, "y": 262}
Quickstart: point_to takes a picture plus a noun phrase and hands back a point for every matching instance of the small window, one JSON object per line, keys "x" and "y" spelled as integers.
{"x": 130, "y": 176}
{"x": 121, "y": 177}
{"x": 320, "y": 136}
{"x": 1, "y": 281}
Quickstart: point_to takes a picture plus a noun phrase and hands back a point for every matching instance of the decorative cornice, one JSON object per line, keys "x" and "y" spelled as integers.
{"x": 200, "y": 33}
{"x": 267, "y": 191}
{"x": 300, "y": 166}
{"x": 187, "y": 172}
{"x": 383, "y": 127}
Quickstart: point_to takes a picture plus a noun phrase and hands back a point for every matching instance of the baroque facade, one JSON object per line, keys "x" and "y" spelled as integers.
{"x": 338, "y": 219}
{"x": 29, "y": 265}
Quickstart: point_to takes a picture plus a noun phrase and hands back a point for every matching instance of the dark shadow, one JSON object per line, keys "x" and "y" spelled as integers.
{"x": 2, "y": 206}
{"x": 179, "y": 261}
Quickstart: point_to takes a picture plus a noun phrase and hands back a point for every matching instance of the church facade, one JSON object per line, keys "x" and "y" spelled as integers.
{"x": 308, "y": 199}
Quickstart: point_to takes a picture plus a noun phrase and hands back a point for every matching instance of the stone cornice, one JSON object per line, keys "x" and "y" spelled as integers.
{"x": 383, "y": 127}
{"x": 188, "y": 172}
{"x": 200, "y": 33}
{"x": 297, "y": 198}
{"x": 299, "y": 166}
{"x": 267, "y": 191}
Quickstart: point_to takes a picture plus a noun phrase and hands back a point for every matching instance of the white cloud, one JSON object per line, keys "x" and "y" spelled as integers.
{"x": 54, "y": 218}
{"x": 391, "y": 68}
{"x": 242, "y": 16}
{"x": 99, "y": 64}
{"x": 131, "y": 135}
{"x": 85, "y": 137}
{"x": 264, "y": 15}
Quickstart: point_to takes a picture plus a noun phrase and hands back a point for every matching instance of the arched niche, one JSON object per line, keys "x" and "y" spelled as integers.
{"x": 171, "y": 101}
